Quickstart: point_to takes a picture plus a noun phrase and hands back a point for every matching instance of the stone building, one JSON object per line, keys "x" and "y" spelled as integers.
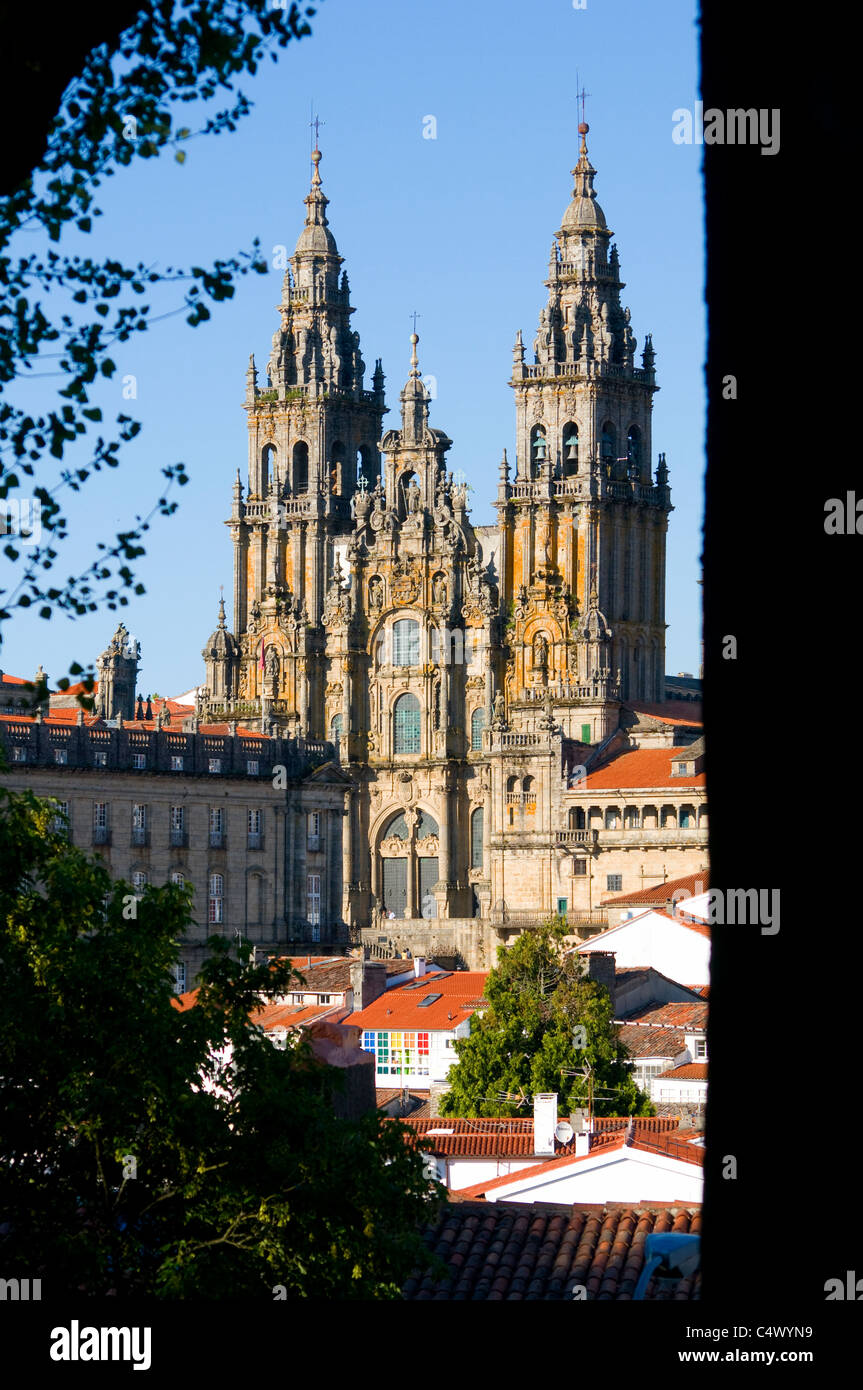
{"x": 462, "y": 671}
{"x": 254, "y": 823}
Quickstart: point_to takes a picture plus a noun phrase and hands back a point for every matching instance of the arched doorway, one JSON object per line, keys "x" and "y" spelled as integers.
{"x": 408, "y": 865}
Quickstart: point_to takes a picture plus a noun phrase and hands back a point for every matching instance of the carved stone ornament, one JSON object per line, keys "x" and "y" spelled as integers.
{"x": 394, "y": 848}
{"x": 428, "y": 847}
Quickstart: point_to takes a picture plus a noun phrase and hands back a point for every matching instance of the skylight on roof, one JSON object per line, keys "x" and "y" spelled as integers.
{"x": 429, "y": 999}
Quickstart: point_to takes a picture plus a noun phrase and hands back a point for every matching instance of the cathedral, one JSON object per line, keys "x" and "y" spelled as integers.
{"x": 468, "y": 676}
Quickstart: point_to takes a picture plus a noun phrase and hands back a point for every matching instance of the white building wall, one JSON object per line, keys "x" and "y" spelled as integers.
{"x": 623, "y": 1176}
{"x": 651, "y": 939}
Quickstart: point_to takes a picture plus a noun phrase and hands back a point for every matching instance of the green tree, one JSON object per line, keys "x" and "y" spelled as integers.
{"x": 107, "y": 93}
{"x": 545, "y": 1022}
{"x": 136, "y": 1160}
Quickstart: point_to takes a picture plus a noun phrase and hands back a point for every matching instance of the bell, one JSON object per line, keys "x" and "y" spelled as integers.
{"x": 572, "y": 449}
{"x": 539, "y": 446}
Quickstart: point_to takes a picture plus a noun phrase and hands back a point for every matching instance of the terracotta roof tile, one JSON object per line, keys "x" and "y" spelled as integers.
{"x": 689, "y": 1016}
{"x": 513, "y": 1137}
{"x": 647, "y": 768}
{"x": 652, "y": 1042}
{"x": 660, "y": 893}
{"x": 510, "y": 1251}
{"x": 690, "y": 1071}
{"x": 402, "y": 1007}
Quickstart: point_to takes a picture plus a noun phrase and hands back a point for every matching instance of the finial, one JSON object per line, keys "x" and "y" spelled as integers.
{"x": 583, "y": 127}
{"x": 415, "y": 366}
{"x": 222, "y": 621}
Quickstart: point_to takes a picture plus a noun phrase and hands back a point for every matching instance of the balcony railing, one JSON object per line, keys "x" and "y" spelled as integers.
{"x": 139, "y": 835}
{"x": 217, "y": 839}
{"x": 256, "y": 840}
{"x": 577, "y": 837}
{"x": 178, "y": 839}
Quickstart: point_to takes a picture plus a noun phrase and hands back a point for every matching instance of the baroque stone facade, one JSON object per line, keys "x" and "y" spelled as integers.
{"x": 460, "y": 670}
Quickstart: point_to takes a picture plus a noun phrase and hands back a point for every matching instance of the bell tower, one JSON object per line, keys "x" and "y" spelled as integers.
{"x": 313, "y": 432}
{"x": 584, "y": 518}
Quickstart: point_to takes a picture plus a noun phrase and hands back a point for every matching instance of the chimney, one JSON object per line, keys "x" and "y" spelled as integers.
{"x": 582, "y": 1144}
{"x": 368, "y": 982}
{"x": 544, "y": 1123}
{"x": 419, "y": 967}
{"x": 600, "y": 967}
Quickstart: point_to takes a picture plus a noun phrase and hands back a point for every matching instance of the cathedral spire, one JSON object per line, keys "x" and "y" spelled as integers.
{"x": 415, "y": 401}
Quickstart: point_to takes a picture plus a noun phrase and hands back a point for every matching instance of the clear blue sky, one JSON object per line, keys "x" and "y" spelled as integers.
{"x": 458, "y": 228}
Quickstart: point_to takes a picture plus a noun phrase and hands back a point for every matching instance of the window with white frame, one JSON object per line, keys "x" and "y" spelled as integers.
{"x": 139, "y": 882}
{"x": 255, "y": 829}
{"x": 100, "y": 822}
{"x": 176, "y": 762}
{"x": 214, "y": 764}
{"x": 60, "y": 819}
{"x": 19, "y": 754}
{"x": 217, "y": 898}
{"x": 178, "y": 878}
{"x": 178, "y": 825}
{"x": 217, "y": 827}
{"x": 180, "y": 977}
{"x": 701, "y": 1048}
{"x": 139, "y": 825}
{"x": 139, "y": 761}
{"x": 100, "y": 757}
{"x": 61, "y": 756}
{"x": 313, "y": 830}
{"x": 614, "y": 883}
{"x": 406, "y": 642}
{"x": 313, "y": 899}
{"x": 252, "y": 767}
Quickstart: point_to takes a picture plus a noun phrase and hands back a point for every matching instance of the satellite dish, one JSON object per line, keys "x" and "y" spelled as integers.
{"x": 563, "y": 1132}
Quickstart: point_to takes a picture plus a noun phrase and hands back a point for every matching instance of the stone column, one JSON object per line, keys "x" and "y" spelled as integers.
{"x": 444, "y": 863}
{"x": 347, "y": 707}
{"x": 347, "y": 855}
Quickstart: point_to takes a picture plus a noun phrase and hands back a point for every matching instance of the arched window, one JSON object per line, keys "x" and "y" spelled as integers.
{"x": 406, "y": 642}
{"x": 268, "y": 467}
{"x": 406, "y": 724}
{"x": 631, "y": 818}
{"x": 612, "y": 819}
{"x": 608, "y": 444}
{"x": 476, "y": 838}
{"x": 570, "y": 450}
{"x": 633, "y": 448}
{"x": 477, "y": 724}
{"x": 336, "y": 728}
{"x": 426, "y": 825}
{"x": 576, "y": 818}
{"x": 538, "y": 449}
{"x": 301, "y": 467}
{"x": 397, "y": 828}
{"x": 217, "y": 898}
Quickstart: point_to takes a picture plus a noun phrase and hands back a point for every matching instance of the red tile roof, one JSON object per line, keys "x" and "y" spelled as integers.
{"x": 673, "y": 1145}
{"x": 273, "y": 1016}
{"x": 690, "y": 1071}
{"x": 461, "y": 995}
{"x": 689, "y": 1016}
{"x": 16, "y": 680}
{"x": 671, "y": 711}
{"x": 652, "y": 1042}
{"x": 642, "y": 768}
{"x": 661, "y": 893}
{"x": 514, "y": 1251}
{"x": 514, "y": 1137}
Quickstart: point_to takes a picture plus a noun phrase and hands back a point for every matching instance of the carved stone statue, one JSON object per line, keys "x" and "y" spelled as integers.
{"x": 439, "y": 589}
{"x": 540, "y": 651}
{"x": 376, "y": 592}
{"x": 413, "y": 498}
